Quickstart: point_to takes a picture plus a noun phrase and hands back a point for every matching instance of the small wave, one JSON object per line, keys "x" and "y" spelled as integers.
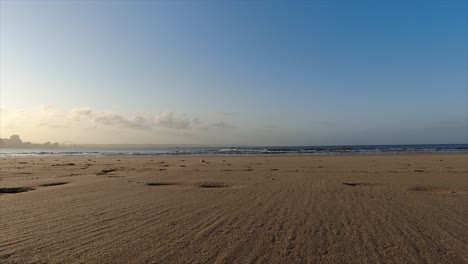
{"x": 263, "y": 150}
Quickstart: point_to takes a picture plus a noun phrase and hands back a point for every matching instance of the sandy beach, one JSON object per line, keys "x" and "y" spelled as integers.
{"x": 264, "y": 209}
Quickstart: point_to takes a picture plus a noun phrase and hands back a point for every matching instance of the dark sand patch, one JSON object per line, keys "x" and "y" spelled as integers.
{"x": 212, "y": 185}
{"x": 15, "y": 190}
{"x": 71, "y": 175}
{"x": 421, "y": 188}
{"x": 160, "y": 183}
{"x": 105, "y": 171}
{"x": 359, "y": 184}
{"x": 64, "y": 164}
{"x": 419, "y": 171}
{"x": 53, "y": 184}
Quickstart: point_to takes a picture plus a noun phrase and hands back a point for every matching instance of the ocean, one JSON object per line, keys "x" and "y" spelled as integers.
{"x": 239, "y": 151}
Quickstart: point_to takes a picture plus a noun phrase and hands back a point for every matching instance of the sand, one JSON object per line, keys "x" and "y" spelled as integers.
{"x": 320, "y": 209}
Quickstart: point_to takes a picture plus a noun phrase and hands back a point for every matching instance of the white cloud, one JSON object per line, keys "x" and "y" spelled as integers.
{"x": 85, "y": 117}
{"x": 171, "y": 120}
{"x": 76, "y": 114}
{"x": 109, "y": 119}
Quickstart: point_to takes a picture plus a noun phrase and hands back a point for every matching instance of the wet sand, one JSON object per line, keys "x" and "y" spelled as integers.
{"x": 320, "y": 209}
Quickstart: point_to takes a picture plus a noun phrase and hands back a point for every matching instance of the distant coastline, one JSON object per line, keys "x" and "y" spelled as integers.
{"x": 15, "y": 142}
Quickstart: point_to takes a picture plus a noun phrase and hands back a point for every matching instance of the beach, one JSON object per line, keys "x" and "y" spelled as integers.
{"x": 234, "y": 209}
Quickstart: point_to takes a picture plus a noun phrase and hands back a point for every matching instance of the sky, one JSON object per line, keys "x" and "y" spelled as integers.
{"x": 235, "y": 72}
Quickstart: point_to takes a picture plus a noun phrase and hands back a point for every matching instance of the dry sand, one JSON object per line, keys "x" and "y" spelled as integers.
{"x": 335, "y": 209}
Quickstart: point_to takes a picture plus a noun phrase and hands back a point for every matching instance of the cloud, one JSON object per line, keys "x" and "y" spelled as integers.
{"x": 86, "y": 117}
{"x": 197, "y": 121}
{"x": 170, "y": 120}
{"x": 47, "y": 107}
{"x": 47, "y": 116}
{"x": 221, "y": 124}
{"x": 137, "y": 122}
{"x": 228, "y": 113}
{"x": 76, "y": 114}
{"x": 145, "y": 121}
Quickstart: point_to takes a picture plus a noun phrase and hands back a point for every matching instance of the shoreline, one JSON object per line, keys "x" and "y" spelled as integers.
{"x": 246, "y": 150}
{"x": 31, "y": 156}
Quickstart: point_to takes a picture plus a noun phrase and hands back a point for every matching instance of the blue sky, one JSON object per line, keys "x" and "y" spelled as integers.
{"x": 235, "y": 72}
